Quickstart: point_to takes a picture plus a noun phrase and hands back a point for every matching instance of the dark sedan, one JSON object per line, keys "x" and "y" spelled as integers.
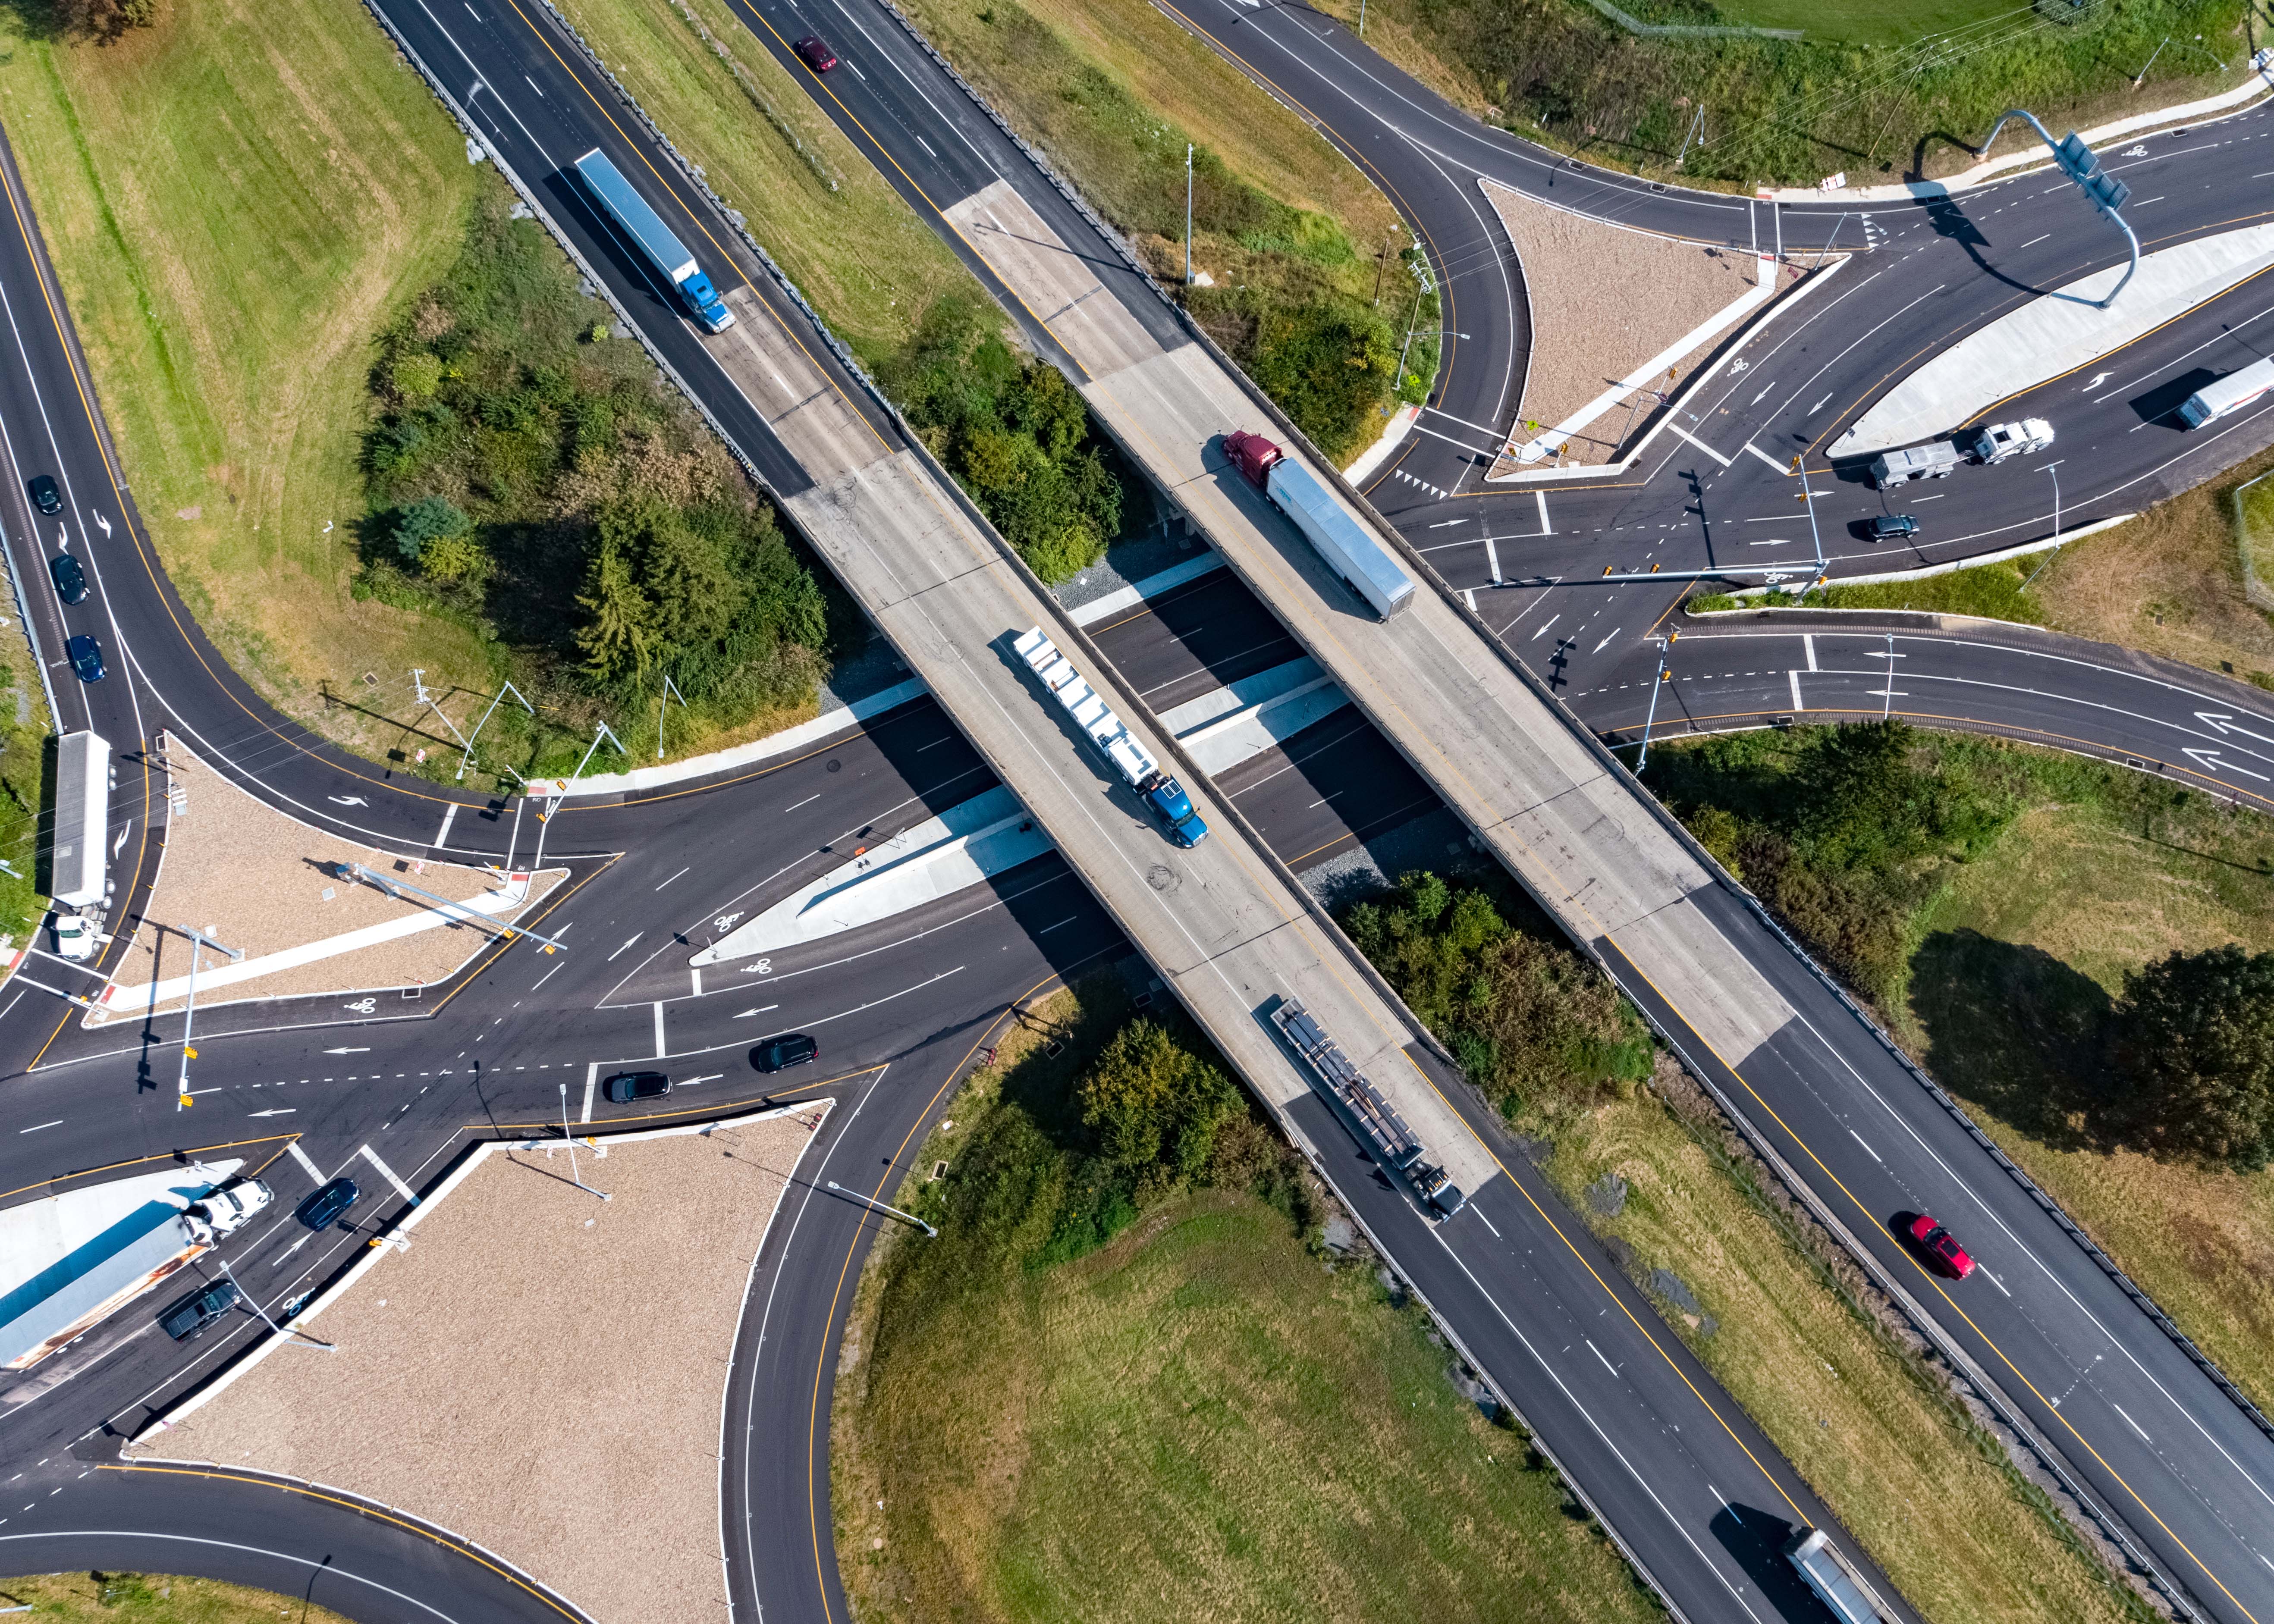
{"x": 85, "y": 658}
{"x": 70, "y": 579}
{"x": 44, "y": 492}
{"x": 792, "y": 1048}
{"x": 626, "y": 1086}
{"x": 329, "y": 1205}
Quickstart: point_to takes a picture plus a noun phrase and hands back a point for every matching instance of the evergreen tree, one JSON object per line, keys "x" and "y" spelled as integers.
{"x": 2195, "y": 1052}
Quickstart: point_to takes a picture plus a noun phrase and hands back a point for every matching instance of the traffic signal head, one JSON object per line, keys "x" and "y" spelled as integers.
{"x": 2076, "y": 159}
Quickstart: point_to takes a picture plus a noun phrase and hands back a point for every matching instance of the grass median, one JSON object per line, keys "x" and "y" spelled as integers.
{"x": 1781, "y": 1317}
{"x": 236, "y": 199}
{"x": 1997, "y": 946}
{"x": 1171, "y": 1406}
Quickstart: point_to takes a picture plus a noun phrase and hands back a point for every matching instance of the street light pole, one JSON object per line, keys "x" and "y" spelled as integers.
{"x": 198, "y": 940}
{"x": 1658, "y": 682}
{"x": 2054, "y": 552}
{"x": 1188, "y": 214}
{"x": 575, "y": 1177}
{"x": 881, "y": 1207}
{"x": 300, "y": 1338}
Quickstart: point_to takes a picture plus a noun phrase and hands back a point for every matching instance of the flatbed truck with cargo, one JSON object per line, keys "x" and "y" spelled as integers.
{"x": 1364, "y": 1108}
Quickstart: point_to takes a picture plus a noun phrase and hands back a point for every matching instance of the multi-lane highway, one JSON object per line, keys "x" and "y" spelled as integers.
{"x": 902, "y": 1009}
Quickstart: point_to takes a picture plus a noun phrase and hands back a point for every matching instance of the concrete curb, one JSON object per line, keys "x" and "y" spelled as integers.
{"x": 844, "y": 718}
{"x": 1401, "y": 425}
{"x": 1952, "y": 567}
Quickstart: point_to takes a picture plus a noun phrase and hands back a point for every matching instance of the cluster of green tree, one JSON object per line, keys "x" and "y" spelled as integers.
{"x": 2192, "y": 1047}
{"x": 1535, "y": 1025}
{"x": 1792, "y": 110}
{"x": 1301, "y": 309}
{"x": 1073, "y": 1146}
{"x": 1844, "y": 832}
{"x": 1013, "y": 433}
{"x": 528, "y": 471}
{"x": 103, "y": 21}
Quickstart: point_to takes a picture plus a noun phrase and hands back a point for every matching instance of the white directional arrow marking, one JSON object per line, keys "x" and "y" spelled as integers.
{"x": 761, "y": 1009}
{"x": 347, "y": 801}
{"x": 2216, "y": 762}
{"x": 277, "y": 1110}
{"x": 2224, "y": 724}
{"x": 347, "y": 1052}
{"x": 2098, "y": 379}
{"x": 98, "y": 519}
{"x": 119, "y": 843}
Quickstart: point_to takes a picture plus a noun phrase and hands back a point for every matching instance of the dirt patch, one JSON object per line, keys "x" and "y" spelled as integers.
{"x": 1604, "y": 301}
{"x": 540, "y": 1370}
{"x": 265, "y": 884}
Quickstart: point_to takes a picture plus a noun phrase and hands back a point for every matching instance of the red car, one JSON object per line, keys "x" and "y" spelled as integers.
{"x": 1941, "y": 1251}
{"x": 814, "y": 54}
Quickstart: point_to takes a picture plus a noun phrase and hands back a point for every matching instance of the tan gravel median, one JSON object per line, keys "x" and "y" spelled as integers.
{"x": 262, "y": 882}
{"x": 1604, "y": 300}
{"x": 540, "y": 1371}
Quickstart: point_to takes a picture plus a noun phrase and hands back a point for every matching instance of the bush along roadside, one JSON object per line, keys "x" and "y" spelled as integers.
{"x": 529, "y": 476}
{"x": 1888, "y": 100}
{"x": 1015, "y": 435}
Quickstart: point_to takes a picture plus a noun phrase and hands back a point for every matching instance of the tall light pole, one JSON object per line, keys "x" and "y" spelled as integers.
{"x": 1188, "y": 214}
{"x": 670, "y": 692}
{"x": 298, "y": 1338}
{"x": 575, "y": 1177}
{"x": 2054, "y": 552}
{"x": 1643, "y": 760}
{"x": 881, "y": 1207}
{"x": 545, "y": 818}
{"x": 198, "y": 941}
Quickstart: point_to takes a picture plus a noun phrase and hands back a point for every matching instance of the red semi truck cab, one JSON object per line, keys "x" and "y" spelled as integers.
{"x": 1253, "y": 454}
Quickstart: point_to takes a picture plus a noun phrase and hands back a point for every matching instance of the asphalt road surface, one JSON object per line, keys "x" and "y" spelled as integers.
{"x": 901, "y": 1009}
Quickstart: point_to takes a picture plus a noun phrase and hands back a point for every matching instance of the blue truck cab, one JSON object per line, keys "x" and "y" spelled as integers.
{"x": 1174, "y": 809}
{"x": 643, "y": 228}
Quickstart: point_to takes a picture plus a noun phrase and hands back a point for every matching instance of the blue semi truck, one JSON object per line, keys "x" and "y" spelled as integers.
{"x": 654, "y": 239}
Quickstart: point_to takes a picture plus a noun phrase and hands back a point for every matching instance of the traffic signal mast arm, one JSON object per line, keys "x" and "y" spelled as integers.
{"x": 2078, "y": 162}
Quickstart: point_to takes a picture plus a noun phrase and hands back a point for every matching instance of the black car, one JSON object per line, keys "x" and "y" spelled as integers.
{"x": 626, "y": 1086}
{"x": 326, "y": 1207}
{"x": 70, "y": 579}
{"x": 198, "y": 1310}
{"x": 1889, "y": 526}
{"x": 44, "y": 492}
{"x": 85, "y": 658}
{"x": 792, "y": 1048}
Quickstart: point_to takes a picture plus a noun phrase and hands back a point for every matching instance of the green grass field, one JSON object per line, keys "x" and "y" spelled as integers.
{"x": 2015, "y": 965}
{"x": 1861, "y": 23}
{"x": 868, "y": 264}
{"x": 1201, "y": 1419}
{"x": 236, "y": 199}
{"x": 151, "y": 1598}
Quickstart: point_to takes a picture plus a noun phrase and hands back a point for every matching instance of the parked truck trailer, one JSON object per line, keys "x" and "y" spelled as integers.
{"x": 1936, "y": 460}
{"x": 1162, "y": 794}
{"x": 656, "y": 242}
{"x": 1364, "y": 1108}
{"x": 1366, "y": 565}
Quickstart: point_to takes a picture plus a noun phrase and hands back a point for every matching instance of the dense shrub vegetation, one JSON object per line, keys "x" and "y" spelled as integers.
{"x": 1071, "y": 1148}
{"x": 1014, "y": 431}
{"x": 1535, "y": 1025}
{"x": 1844, "y": 832}
{"x": 527, "y": 470}
{"x": 1889, "y": 97}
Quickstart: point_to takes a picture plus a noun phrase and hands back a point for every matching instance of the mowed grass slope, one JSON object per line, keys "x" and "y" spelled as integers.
{"x": 2016, "y": 966}
{"x": 1931, "y": 1496}
{"x": 864, "y": 258}
{"x": 236, "y": 199}
{"x": 1199, "y": 1421}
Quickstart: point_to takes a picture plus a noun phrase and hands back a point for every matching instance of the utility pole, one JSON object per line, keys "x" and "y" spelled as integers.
{"x": 1361, "y": 18}
{"x": 575, "y": 1177}
{"x": 670, "y": 692}
{"x": 198, "y": 940}
{"x": 1188, "y": 214}
{"x": 1381, "y": 264}
{"x": 1697, "y": 125}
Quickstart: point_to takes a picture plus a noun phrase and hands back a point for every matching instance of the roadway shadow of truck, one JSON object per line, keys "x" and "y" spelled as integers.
{"x": 2161, "y": 405}
{"x": 1754, "y": 1539}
